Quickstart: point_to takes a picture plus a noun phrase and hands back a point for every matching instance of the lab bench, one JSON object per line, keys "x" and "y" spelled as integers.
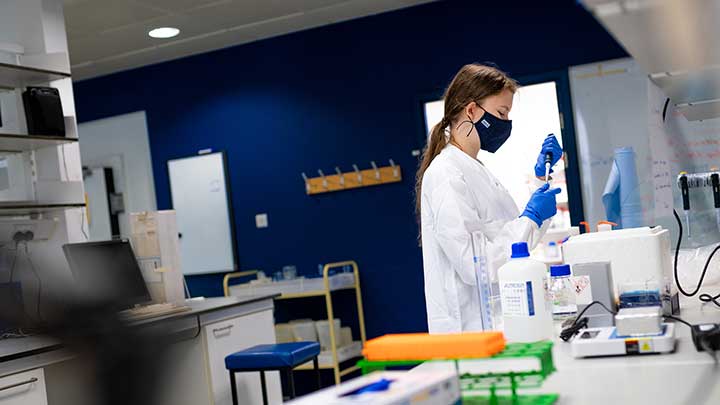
{"x": 685, "y": 376}
{"x": 38, "y": 370}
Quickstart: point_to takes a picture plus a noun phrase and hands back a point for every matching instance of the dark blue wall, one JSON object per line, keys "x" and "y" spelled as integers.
{"x": 336, "y": 95}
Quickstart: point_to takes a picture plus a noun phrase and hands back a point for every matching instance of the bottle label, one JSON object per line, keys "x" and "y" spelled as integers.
{"x": 517, "y": 298}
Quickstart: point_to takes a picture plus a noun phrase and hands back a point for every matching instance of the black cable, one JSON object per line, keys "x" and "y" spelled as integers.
{"x": 12, "y": 266}
{"x": 580, "y": 322}
{"x": 588, "y": 307}
{"x": 703, "y": 297}
{"x": 664, "y": 113}
{"x": 567, "y": 333}
{"x": 34, "y": 271}
{"x": 710, "y": 298}
{"x": 674, "y": 318}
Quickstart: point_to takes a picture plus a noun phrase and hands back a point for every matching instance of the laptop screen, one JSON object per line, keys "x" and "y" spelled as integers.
{"x": 107, "y": 273}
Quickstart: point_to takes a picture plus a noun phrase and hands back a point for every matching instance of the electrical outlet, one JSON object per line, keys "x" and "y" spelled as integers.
{"x": 261, "y": 221}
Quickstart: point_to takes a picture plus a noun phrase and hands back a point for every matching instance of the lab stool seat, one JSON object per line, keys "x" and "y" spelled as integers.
{"x": 272, "y": 357}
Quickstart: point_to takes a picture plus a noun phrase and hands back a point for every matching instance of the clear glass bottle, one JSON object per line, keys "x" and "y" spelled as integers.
{"x": 562, "y": 292}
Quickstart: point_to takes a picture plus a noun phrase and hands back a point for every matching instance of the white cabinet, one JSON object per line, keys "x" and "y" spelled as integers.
{"x": 26, "y": 388}
{"x": 232, "y": 335}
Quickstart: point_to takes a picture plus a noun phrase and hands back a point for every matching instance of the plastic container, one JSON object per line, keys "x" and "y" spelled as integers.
{"x": 562, "y": 292}
{"x": 525, "y": 312}
{"x": 323, "y": 332}
{"x": 423, "y": 346}
{"x": 289, "y": 272}
{"x": 552, "y": 250}
{"x": 304, "y": 331}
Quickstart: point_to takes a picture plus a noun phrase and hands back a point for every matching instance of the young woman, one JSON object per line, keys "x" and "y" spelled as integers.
{"x": 457, "y": 197}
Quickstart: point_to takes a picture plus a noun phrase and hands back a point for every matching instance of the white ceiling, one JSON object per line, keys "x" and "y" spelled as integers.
{"x": 107, "y": 36}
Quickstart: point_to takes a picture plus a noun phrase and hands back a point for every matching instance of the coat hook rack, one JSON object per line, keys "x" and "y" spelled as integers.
{"x": 307, "y": 182}
{"x": 354, "y": 179}
{"x": 396, "y": 169}
{"x": 324, "y": 179}
{"x": 357, "y": 171}
{"x": 377, "y": 172}
{"x": 340, "y": 175}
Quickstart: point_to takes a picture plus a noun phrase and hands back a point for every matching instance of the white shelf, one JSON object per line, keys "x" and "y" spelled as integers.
{"x": 297, "y": 288}
{"x": 14, "y": 76}
{"x": 14, "y": 209}
{"x": 18, "y": 143}
{"x": 700, "y": 111}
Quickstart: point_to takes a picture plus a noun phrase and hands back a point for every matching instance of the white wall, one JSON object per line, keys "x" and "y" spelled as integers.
{"x": 121, "y": 142}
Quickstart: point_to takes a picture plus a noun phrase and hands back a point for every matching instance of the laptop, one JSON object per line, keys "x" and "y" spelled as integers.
{"x": 108, "y": 274}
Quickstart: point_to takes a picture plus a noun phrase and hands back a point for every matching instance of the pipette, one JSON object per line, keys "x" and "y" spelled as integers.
{"x": 685, "y": 191}
{"x": 548, "y": 163}
{"x": 715, "y": 182}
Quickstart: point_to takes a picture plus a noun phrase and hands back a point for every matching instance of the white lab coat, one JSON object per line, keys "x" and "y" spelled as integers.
{"x": 459, "y": 197}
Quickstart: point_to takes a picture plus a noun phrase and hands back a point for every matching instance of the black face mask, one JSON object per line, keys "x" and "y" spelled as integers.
{"x": 493, "y": 131}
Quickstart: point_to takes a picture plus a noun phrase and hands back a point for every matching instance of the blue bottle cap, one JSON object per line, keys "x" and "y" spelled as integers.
{"x": 520, "y": 250}
{"x": 560, "y": 270}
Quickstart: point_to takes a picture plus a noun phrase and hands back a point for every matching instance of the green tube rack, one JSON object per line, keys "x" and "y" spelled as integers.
{"x": 492, "y": 382}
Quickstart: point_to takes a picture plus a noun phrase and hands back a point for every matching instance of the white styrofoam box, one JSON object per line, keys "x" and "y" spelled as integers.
{"x": 284, "y": 333}
{"x": 304, "y": 331}
{"x": 344, "y": 353}
{"x": 419, "y": 388}
{"x": 345, "y": 336}
{"x": 637, "y": 255}
{"x": 323, "y": 332}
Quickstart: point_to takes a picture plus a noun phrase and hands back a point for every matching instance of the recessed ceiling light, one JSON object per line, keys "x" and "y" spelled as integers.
{"x": 164, "y": 32}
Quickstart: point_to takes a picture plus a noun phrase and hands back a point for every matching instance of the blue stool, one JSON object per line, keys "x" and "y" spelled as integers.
{"x": 281, "y": 357}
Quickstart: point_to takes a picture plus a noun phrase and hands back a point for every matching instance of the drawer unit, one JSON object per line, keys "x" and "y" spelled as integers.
{"x": 26, "y": 388}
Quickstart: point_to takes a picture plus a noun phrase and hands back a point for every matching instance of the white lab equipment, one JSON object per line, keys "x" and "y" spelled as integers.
{"x": 156, "y": 244}
{"x": 459, "y": 197}
{"x": 440, "y": 387}
{"x": 637, "y": 255}
{"x": 525, "y": 308}
{"x": 686, "y": 181}
{"x": 605, "y": 341}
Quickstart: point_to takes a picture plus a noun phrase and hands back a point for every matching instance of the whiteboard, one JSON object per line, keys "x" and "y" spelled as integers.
{"x": 199, "y": 192}
{"x": 615, "y": 104}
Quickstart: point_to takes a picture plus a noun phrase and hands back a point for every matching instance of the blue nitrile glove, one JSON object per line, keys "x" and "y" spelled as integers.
{"x": 550, "y": 144}
{"x": 542, "y": 204}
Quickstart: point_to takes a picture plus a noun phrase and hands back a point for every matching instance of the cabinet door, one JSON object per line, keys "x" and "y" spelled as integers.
{"x": 230, "y": 336}
{"x": 26, "y": 388}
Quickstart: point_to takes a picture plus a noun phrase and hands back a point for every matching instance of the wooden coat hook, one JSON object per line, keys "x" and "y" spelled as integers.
{"x": 354, "y": 179}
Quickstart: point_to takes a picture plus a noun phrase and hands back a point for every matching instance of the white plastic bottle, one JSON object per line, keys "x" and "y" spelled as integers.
{"x": 527, "y": 315}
